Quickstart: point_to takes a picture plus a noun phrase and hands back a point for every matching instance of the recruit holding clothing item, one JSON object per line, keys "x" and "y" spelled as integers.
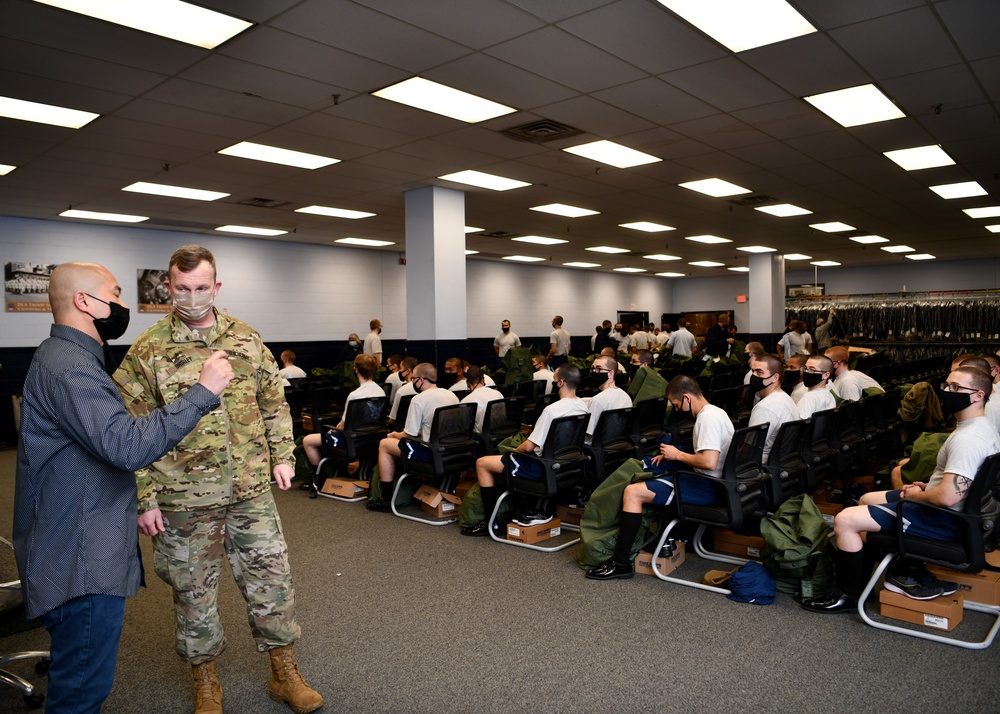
{"x": 214, "y": 473}
{"x": 75, "y": 536}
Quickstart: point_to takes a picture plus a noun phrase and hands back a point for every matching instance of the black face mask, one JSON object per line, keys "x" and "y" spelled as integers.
{"x": 114, "y": 325}
{"x": 597, "y": 379}
{"x": 791, "y": 377}
{"x": 505, "y": 330}
{"x": 952, "y": 402}
{"x": 811, "y": 379}
{"x": 632, "y": 369}
{"x": 757, "y": 383}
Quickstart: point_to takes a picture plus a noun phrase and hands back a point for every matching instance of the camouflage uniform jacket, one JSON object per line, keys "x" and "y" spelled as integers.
{"x": 229, "y": 456}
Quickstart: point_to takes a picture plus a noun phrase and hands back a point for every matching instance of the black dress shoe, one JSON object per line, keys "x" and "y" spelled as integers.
{"x": 480, "y": 529}
{"x": 378, "y": 504}
{"x": 834, "y": 602}
{"x": 610, "y": 571}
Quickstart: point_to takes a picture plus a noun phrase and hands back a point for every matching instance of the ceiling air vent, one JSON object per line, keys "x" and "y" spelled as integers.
{"x": 753, "y": 200}
{"x": 262, "y": 202}
{"x": 539, "y": 132}
{"x": 499, "y": 234}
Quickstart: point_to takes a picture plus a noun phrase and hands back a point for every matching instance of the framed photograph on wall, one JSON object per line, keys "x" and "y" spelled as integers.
{"x": 805, "y": 290}
{"x": 26, "y": 286}
{"x": 152, "y": 291}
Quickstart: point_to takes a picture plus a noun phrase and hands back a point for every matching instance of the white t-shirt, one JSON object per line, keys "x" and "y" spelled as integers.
{"x": 993, "y": 409}
{"x": 482, "y": 396}
{"x": 661, "y": 339}
{"x": 610, "y": 398}
{"x": 560, "y": 338}
{"x": 365, "y": 391}
{"x": 774, "y": 409}
{"x": 463, "y": 384}
{"x": 852, "y": 384}
{"x": 964, "y": 452}
{"x": 795, "y": 344}
{"x": 292, "y": 372}
{"x": 373, "y": 343}
{"x": 506, "y": 341}
{"x": 395, "y": 382}
{"x": 800, "y": 390}
{"x": 713, "y": 431}
{"x": 421, "y": 414}
{"x": 815, "y": 400}
{"x": 625, "y": 343}
{"x": 640, "y": 341}
{"x": 682, "y": 342}
{"x": 544, "y": 375}
{"x": 400, "y": 393}
{"x": 558, "y": 408}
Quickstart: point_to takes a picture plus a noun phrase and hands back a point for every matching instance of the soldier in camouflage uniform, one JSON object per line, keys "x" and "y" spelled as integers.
{"x": 210, "y": 497}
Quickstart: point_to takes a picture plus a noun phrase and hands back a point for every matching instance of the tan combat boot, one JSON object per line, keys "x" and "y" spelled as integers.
{"x": 287, "y": 684}
{"x": 207, "y": 690}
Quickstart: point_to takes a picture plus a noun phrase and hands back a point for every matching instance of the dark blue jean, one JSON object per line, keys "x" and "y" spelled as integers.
{"x": 85, "y": 633}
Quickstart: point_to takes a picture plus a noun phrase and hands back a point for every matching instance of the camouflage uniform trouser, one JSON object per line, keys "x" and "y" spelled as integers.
{"x": 188, "y": 556}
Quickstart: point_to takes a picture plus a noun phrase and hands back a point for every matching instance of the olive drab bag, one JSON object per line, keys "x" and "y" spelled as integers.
{"x": 797, "y": 548}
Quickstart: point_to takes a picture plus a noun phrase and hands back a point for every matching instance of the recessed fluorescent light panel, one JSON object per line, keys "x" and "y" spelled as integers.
{"x": 993, "y": 228}
{"x": 335, "y": 212}
{"x": 966, "y": 189}
{"x": 854, "y": 106}
{"x": 473, "y": 229}
{"x": 523, "y": 258}
{"x": 869, "y": 240}
{"x": 796, "y": 256}
{"x": 755, "y": 249}
{"x": 739, "y": 269}
{"x": 484, "y": 180}
{"x": 661, "y": 256}
{"x": 98, "y": 216}
{"x": 250, "y": 230}
{"x": 608, "y": 152}
{"x": 741, "y": 25}
{"x": 580, "y": 264}
{"x": 783, "y": 210}
{"x": 984, "y": 212}
{"x": 274, "y": 155}
{"x": 540, "y": 240}
{"x": 919, "y": 256}
{"x": 168, "y": 18}
{"x": 162, "y": 189}
{"x": 441, "y": 99}
{"x": 897, "y": 249}
{"x": 920, "y": 157}
{"x": 707, "y": 264}
{"x": 647, "y": 227}
{"x": 710, "y": 239}
{"x": 825, "y": 263}
{"x": 367, "y": 242}
{"x": 44, "y": 113}
{"x": 6, "y": 169}
{"x": 471, "y": 252}
{"x": 714, "y": 187}
{"x": 671, "y": 275}
{"x": 630, "y": 270}
{"x": 607, "y": 249}
{"x": 561, "y": 209}
{"x": 832, "y": 227}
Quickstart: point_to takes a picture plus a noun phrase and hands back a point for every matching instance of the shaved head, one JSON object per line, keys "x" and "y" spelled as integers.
{"x": 69, "y": 278}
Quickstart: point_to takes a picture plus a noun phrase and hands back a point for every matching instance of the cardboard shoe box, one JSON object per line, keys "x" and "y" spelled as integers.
{"x": 569, "y": 514}
{"x": 941, "y": 613}
{"x": 534, "y": 534}
{"x": 983, "y": 587}
{"x": 734, "y": 543}
{"x": 666, "y": 565}
{"x": 438, "y": 503}
{"x": 345, "y": 487}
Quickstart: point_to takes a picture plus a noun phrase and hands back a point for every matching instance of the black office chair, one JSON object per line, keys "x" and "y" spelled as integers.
{"x": 502, "y": 421}
{"x": 742, "y": 491}
{"x": 785, "y": 465}
{"x": 562, "y": 465}
{"x": 12, "y": 612}
{"x": 978, "y": 523}
{"x": 364, "y": 428}
{"x": 402, "y": 410}
{"x": 534, "y": 408}
{"x": 818, "y": 452}
{"x": 452, "y": 447}
{"x": 648, "y": 426}
{"x": 610, "y": 445}
{"x": 530, "y": 391}
{"x": 847, "y": 437}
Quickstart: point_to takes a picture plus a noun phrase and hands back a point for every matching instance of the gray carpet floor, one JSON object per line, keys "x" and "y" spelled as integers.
{"x": 402, "y": 617}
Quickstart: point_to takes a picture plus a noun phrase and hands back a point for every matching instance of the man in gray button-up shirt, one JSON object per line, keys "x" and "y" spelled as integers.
{"x": 75, "y": 509}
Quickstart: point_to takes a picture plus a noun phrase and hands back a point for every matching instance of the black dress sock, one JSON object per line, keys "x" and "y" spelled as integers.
{"x": 626, "y": 537}
{"x": 850, "y": 572}
{"x": 489, "y": 500}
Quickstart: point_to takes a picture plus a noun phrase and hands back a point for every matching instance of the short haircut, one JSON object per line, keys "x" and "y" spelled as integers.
{"x": 608, "y": 362}
{"x": 374, "y": 323}
{"x": 408, "y": 363}
{"x": 681, "y": 323}
{"x": 722, "y": 315}
{"x": 645, "y": 357}
{"x": 606, "y": 324}
{"x": 288, "y": 356}
{"x": 993, "y": 360}
{"x": 569, "y": 373}
{"x": 540, "y": 359}
{"x": 365, "y": 365}
{"x": 453, "y": 362}
{"x": 755, "y": 348}
{"x": 608, "y": 352}
{"x": 825, "y": 364}
{"x": 976, "y": 363}
{"x": 796, "y": 361}
{"x": 980, "y": 380}
{"x": 557, "y": 319}
{"x": 188, "y": 257}
{"x": 427, "y": 371}
{"x": 838, "y": 354}
{"x": 774, "y": 365}
{"x": 474, "y": 375}
{"x": 681, "y": 385}
{"x": 393, "y": 359}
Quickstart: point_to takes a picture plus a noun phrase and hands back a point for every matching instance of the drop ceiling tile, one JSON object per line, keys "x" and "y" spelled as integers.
{"x": 968, "y": 123}
{"x": 664, "y": 143}
{"x": 655, "y": 100}
{"x": 253, "y": 80}
{"x": 172, "y": 115}
{"x": 366, "y": 109}
{"x": 721, "y": 132}
{"x": 479, "y": 24}
{"x": 783, "y": 120}
{"x": 722, "y": 164}
{"x": 349, "y": 132}
{"x": 973, "y": 24}
{"x": 727, "y": 83}
{"x": 65, "y": 94}
{"x": 988, "y": 73}
{"x": 225, "y": 102}
{"x": 951, "y": 87}
{"x": 251, "y": 10}
{"x": 499, "y": 81}
{"x": 819, "y": 66}
{"x": 828, "y": 145}
{"x": 771, "y": 155}
{"x": 595, "y": 117}
{"x": 556, "y": 10}
{"x": 826, "y": 15}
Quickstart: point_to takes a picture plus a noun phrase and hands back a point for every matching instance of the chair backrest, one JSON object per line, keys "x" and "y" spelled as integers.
{"x": 982, "y": 498}
{"x": 746, "y": 453}
{"x": 565, "y": 437}
{"x": 403, "y": 408}
{"x": 649, "y": 414}
{"x": 871, "y": 411}
{"x": 455, "y": 423}
{"x": 368, "y": 412}
{"x": 788, "y": 443}
{"x": 822, "y": 427}
{"x": 532, "y": 388}
{"x": 503, "y": 418}
{"x": 614, "y": 426}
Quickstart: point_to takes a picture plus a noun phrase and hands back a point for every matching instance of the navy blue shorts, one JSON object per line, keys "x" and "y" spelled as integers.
{"x": 334, "y": 439}
{"x": 415, "y": 451}
{"x": 917, "y": 521}
{"x": 697, "y": 491}
{"x": 517, "y": 465}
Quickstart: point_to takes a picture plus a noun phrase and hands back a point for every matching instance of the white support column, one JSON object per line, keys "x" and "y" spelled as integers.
{"x": 767, "y": 293}
{"x": 435, "y": 264}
